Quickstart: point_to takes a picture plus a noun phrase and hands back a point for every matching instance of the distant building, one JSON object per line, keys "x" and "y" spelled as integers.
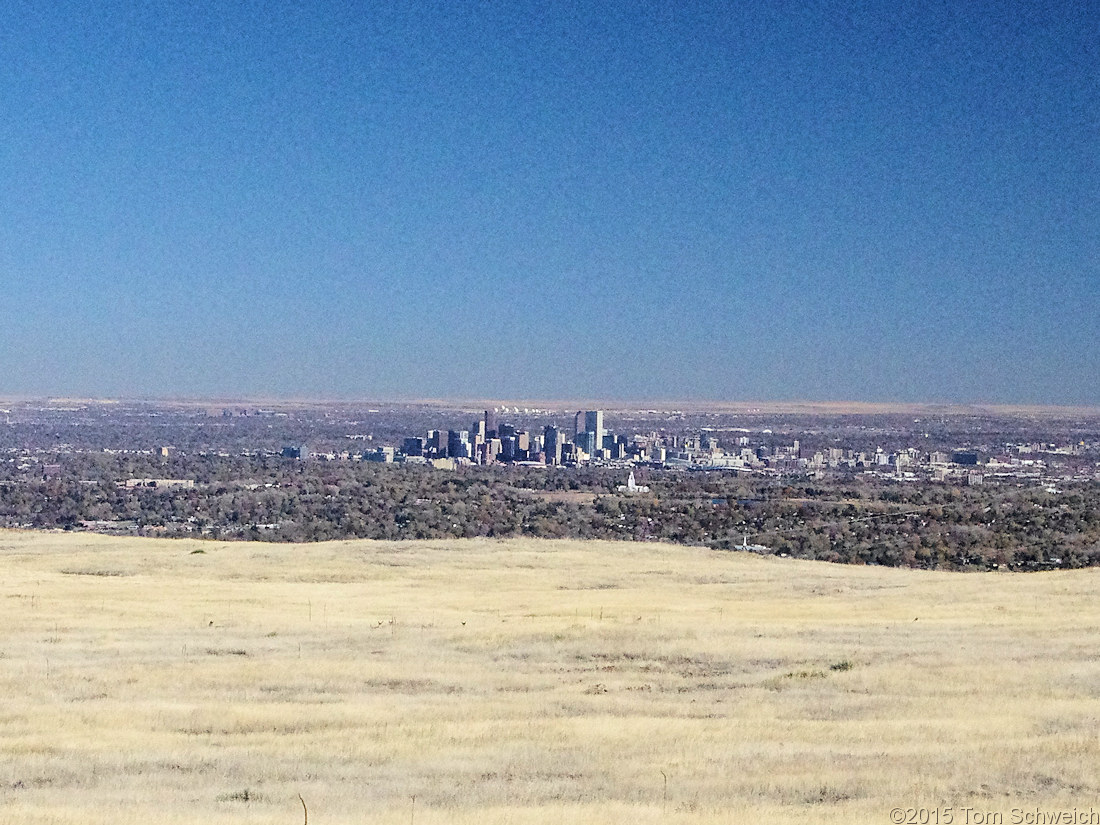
{"x": 586, "y": 442}
{"x": 964, "y": 457}
{"x": 160, "y": 483}
{"x": 413, "y": 446}
{"x": 490, "y": 424}
{"x": 593, "y": 423}
{"x": 437, "y": 441}
{"x": 458, "y": 444}
{"x": 551, "y": 445}
{"x": 751, "y": 548}
{"x": 590, "y": 439}
{"x": 383, "y": 455}
{"x": 632, "y": 487}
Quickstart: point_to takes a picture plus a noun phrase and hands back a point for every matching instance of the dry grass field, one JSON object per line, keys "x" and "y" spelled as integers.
{"x": 488, "y": 682}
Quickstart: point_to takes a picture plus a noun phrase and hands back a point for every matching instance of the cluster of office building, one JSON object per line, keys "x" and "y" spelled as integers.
{"x": 489, "y": 440}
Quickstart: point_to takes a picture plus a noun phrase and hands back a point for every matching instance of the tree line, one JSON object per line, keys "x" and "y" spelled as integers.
{"x": 858, "y": 520}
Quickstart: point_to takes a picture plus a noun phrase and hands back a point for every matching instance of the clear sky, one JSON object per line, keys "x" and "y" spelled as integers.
{"x": 882, "y": 201}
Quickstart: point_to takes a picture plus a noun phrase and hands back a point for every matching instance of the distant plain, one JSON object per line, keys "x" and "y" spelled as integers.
{"x": 481, "y": 681}
{"x": 792, "y": 407}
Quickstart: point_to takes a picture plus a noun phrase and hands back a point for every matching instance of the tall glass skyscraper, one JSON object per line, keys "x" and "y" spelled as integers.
{"x": 593, "y": 423}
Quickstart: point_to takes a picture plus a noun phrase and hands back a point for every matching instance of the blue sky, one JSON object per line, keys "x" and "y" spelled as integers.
{"x": 813, "y": 200}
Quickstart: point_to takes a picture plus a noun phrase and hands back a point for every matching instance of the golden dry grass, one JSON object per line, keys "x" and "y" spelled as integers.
{"x": 495, "y": 682}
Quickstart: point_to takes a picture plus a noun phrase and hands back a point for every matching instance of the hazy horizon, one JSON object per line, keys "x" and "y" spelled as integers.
{"x": 892, "y": 203}
{"x": 560, "y": 405}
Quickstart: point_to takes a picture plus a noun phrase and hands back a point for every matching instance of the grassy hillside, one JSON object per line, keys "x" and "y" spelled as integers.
{"x": 488, "y": 682}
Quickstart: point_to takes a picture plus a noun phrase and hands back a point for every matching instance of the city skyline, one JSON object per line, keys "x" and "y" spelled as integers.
{"x": 610, "y": 202}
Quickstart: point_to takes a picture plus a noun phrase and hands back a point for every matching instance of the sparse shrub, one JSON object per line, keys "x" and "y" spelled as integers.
{"x": 805, "y": 674}
{"x": 245, "y": 795}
